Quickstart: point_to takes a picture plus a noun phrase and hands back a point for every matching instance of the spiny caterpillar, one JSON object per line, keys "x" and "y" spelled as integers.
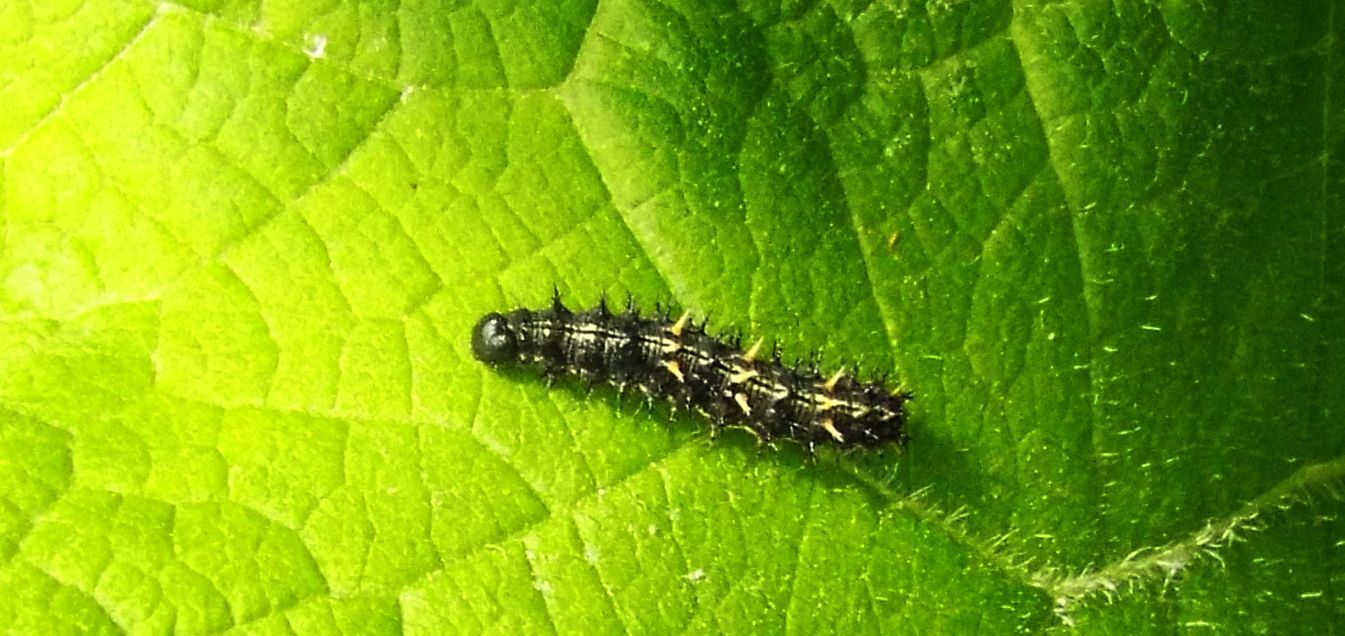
{"x": 679, "y": 362}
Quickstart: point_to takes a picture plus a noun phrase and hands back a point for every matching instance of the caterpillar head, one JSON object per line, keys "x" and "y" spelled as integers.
{"x": 493, "y": 340}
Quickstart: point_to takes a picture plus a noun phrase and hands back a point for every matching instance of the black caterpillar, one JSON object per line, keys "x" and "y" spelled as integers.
{"x": 679, "y": 362}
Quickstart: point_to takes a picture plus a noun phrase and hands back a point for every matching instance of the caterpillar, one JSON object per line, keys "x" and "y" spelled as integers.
{"x": 677, "y": 361}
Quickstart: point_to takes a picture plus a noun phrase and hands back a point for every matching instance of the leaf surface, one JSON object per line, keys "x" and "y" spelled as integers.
{"x": 244, "y": 244}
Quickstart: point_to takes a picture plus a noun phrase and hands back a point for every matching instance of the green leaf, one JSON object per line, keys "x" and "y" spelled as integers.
{"x": 244, "y": 244}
